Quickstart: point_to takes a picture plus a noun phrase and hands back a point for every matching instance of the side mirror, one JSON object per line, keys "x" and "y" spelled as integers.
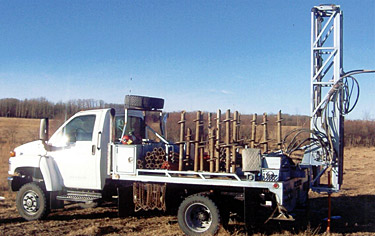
{"x": 164, "y": 124}
{"x": 43, "y": 130}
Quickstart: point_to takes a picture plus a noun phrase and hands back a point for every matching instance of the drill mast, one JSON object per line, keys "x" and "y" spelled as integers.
{"x": 327, "y": 98}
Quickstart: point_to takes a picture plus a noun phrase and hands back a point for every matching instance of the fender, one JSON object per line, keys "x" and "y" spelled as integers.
{"x": 33, "y": 155}
{"x": 51, "y": 174}
{"x": 41, "y": 167}
{"x": 17, "y": 163}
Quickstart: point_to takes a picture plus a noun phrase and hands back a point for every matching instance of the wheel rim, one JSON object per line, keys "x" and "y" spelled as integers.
{"x": 30, "y": 202}
{"x": 198, "y": 217}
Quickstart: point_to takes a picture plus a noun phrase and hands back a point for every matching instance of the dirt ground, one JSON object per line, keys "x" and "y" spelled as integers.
{"x": 353, "y": 208}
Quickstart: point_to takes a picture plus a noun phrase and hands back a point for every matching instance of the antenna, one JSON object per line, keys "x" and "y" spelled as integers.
{"x": 130, "y": 85}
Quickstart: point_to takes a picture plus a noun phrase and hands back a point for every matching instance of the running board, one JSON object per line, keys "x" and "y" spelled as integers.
{"x": 86, "y": 197}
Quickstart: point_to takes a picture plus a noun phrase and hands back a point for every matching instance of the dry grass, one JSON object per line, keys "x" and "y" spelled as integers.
{"x": 13, "y": 132}
{"x": 354, "y": 204}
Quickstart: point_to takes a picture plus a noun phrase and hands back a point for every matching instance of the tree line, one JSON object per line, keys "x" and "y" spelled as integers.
{"x": 357, "y": 132}
{"x": 42, "y": 108}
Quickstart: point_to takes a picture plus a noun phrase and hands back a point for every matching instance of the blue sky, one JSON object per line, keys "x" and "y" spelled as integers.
{"x": 250, "y": 56}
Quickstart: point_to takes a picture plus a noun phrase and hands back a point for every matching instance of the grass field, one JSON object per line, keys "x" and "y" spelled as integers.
{"x": 353, "y": 207}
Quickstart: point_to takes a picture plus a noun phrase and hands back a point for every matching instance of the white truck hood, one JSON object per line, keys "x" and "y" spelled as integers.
{"x": 27, "y": 155}
{"x": 34, "y": 148}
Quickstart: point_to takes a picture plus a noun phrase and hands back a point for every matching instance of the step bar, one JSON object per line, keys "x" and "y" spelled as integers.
{"x": 75, "y": 196}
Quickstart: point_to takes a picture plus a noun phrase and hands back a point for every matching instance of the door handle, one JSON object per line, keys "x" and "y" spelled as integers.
{"x": 93, "y": 149}
{"x": 99, "y": 140}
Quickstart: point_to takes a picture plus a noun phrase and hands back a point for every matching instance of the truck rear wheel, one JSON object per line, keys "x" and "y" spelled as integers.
{"x": 32, "y": 202}
{"x": 198, "y": 215}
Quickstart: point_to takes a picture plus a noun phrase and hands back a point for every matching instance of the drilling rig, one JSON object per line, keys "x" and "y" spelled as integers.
{"x": 100, "y": 155}
{"x": 332, "y": 92}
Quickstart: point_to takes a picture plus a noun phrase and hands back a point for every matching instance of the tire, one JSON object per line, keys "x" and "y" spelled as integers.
{"x": 198, "y": 215}
{"x": 32, "y": 202}
{"x": 140, "y": 102}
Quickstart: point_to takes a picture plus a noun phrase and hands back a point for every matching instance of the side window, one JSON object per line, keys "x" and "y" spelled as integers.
{"x": 78, "y": 129}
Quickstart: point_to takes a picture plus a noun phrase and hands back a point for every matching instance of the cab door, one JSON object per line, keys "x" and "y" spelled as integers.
{"x": 77, "y": 149}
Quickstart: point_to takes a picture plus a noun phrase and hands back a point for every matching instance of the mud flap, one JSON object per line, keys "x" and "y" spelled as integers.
{"x": 125, "y": 201}
{"x": 54, "y": 203}
{"x": 250, "y": 207}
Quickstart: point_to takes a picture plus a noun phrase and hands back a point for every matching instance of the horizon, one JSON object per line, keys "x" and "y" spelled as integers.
{"x": 270, "y": 114}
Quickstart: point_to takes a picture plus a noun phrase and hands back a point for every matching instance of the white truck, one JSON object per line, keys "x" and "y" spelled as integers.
{"x": 93, "y": 157}
{"x": 98, "y": 155}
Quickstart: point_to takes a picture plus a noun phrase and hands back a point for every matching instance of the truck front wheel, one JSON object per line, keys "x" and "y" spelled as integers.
{"x": 31, "y": 202}
{"x": 198, "y": 215}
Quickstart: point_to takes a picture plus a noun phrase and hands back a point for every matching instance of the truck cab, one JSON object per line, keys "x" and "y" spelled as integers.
{"x": 75, "y": 163}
